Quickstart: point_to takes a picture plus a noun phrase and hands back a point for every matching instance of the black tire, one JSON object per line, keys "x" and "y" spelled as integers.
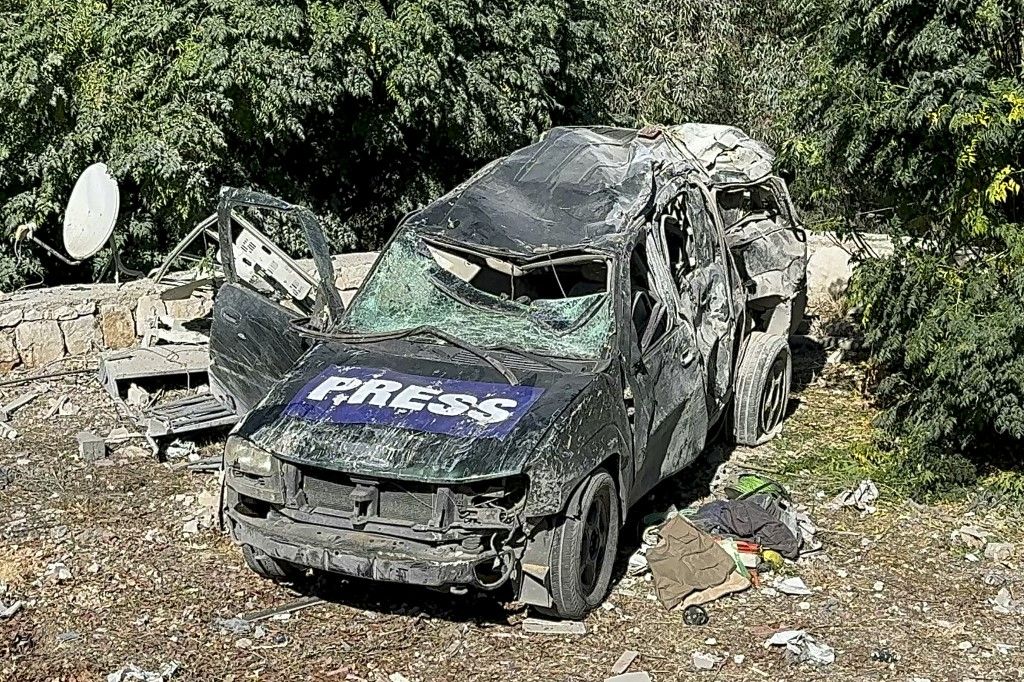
{"x": 583, "y": 548}
{"x": 269, "y": 567}
{"x": 762, "y": 388}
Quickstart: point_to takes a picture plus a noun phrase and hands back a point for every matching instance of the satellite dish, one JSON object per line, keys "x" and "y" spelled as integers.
{"x": 91, "y": 212}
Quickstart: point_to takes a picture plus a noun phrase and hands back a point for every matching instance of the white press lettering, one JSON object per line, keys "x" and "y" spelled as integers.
{"x": 414, "y": 398}
{"x": 333, "y": 385}
{"x": 380, "y": 389}
{"x": 452, "y": 404}
{"x": 491, "y": 411}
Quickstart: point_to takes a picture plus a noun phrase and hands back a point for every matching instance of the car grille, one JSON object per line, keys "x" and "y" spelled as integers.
{"x": 401, "y": 501}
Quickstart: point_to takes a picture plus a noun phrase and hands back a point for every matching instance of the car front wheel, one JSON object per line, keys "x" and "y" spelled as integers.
{"x": 583, "y": 549}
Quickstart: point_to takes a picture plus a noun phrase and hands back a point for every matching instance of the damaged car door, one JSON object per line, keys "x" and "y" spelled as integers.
{"x": 252, "y": 341}
{"x": 668, "y": 410}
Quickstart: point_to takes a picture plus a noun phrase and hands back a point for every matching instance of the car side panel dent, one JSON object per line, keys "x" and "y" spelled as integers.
{"x": 590, "y": 431}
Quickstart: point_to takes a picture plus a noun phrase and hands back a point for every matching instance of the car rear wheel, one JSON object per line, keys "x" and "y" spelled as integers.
{"x": 583, "y": 549}
{"x": 269, "y": 567}
{"x": 762, "y": 388}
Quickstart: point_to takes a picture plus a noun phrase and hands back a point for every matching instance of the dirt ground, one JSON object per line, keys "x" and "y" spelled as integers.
{"x": 119, "y": 562}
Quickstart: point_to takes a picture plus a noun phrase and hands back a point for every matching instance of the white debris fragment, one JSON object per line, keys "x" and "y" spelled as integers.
{"x": 1000, "y": 551}
{"x": 878, "y": 586}
{"x": 543, "y": 626}
{"x": 133, "y": 673}
{"x": 972, "y": 536}
{"x": 625, "y": 660}
{"x": 180, "y": 449}
{"x": 9, "y": 611}
{"x": 793, "y": 586}
{"x": 861, "y": 498}
{"x": 397, "y": 677}
{"x": 57, "y": 572}
{"x": 190, "y": 527}
{"x": 630, "y": 677}
{"x": 138, "y": 397}
{"x": 802, "y": 648}
{"x": 703, "y": 661}
{"x": 1004, "y": 603}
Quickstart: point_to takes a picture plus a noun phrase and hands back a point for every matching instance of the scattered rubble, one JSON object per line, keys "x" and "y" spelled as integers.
{"x": 133, "y": 673}
{"x": 861, "y": 498}
{"x": 802, "y": 648}
{"x": 543, "y": 626}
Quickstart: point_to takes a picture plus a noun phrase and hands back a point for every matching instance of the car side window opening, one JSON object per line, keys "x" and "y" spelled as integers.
{"x": 652, "y": 302}
{"x": 752, "y": 202}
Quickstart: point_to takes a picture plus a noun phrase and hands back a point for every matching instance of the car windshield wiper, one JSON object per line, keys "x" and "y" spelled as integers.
{"x": 371, "y": 337}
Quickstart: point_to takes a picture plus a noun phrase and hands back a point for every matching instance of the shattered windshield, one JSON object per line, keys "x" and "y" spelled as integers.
{"x": 559, "y": 307}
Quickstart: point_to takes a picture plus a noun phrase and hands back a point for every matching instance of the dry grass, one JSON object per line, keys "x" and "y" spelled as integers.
{"x": 145, "y": 593}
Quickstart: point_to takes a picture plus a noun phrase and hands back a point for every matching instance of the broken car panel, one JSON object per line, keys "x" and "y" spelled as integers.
{"x": 531, "y": 354}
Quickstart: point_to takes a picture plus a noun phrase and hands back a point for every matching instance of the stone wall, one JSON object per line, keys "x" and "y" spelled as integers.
{"x": 38, "y": 326}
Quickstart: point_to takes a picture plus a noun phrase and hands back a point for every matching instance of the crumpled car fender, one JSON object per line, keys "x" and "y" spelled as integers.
{"x": 592, "y": 430}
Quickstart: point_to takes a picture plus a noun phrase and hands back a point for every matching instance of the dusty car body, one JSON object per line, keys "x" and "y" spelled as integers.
{"x": 529, "y": 356}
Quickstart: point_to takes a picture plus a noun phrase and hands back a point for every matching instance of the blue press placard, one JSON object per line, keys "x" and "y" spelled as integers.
{"x": 367, "y": 395}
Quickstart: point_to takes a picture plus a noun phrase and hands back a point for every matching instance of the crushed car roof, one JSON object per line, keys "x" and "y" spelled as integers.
{"x": 584, "y": 187}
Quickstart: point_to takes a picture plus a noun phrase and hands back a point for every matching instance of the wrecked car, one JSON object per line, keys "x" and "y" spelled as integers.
{"x": 530, "y": 354}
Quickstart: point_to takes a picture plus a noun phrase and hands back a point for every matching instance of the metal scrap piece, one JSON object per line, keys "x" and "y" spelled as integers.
{"x": 155, "y": 361}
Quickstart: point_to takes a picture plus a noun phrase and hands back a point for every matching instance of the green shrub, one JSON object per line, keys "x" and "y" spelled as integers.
{"x": 950, "y": 338}
{"x": 360, "y": 110}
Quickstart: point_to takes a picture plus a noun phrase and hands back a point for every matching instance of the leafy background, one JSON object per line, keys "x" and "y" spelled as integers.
{"x": 905, "y": 116}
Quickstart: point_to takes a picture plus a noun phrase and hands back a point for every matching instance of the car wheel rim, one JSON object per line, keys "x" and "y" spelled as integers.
{"x": 776, "y": 390}
{"x": 595, "y": 541}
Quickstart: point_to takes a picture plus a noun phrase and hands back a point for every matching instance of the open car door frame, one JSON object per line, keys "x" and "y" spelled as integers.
{"x": 252, "y": 341}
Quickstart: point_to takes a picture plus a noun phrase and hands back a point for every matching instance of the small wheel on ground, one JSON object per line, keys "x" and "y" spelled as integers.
{"x": 762, "y": 388}
{"x": 583, "y": 548}
{"x": 269, "y": 567}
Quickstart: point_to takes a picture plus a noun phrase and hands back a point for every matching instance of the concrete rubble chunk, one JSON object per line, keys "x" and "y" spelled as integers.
{"x": 630, "y": 677}
{"x": 117, "y": 325}
{"x": 81, "y": 335}
{"x": 39, "y": 342}
{"x": 542, "y": 626}
{"x": 1000, "y": 551}
{"x": 624, "y": 661}
{"x": 91, "y": 446}
{"x": 703, "y": 661}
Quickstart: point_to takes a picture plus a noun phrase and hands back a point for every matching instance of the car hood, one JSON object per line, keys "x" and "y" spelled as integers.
{"x": 411, "y": 411}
